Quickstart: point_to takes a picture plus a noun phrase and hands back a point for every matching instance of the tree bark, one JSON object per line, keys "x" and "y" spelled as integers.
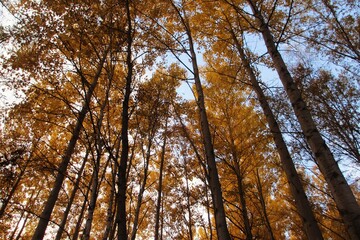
{"x": 122, "y": 184}
{"x": 341, "y": 191}
{"x": 22, "y": 220}
{"x": 12, "y": 191}
{"x": 239, "y": 177}
{"x": 110, "y": 210}
{"x": 99, "y": 152}
{"x": 159, "y": 190}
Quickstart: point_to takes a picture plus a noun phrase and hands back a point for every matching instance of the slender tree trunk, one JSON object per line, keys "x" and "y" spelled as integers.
{"x": 142, "y": 187}
{"x": 115, "y": 158}
{"x": 50, "y": 203}
{"x": 208, "y": 213}
{"x": 302, "y": 203}
{"x": 82, "y": 212}
{"x": 159, "y": 190}
{"x": 341, "y": 191}
{"x": 151, "y": 131}
{"x": 121, "y": 208}
{"x": 214, "y": 181}
{"x": 93, "y": 199}
{"x": 22, "y": 227}
{"x": 13, "y": 189}
{"x": 162, "y": 220}
{"x": 188, "y": 204}
{"x": 99, "y": 151}
{"x": 110, "y": 210}
{"x": 241, "y": 191}
{"x": 71, "y": 199}
{"x": 239, "y": 177}
{"x": 213, "y": 176}
{"x": 263, "y": 205}
{"x": 114, "y": 226}
{"x": 20, "y": 219}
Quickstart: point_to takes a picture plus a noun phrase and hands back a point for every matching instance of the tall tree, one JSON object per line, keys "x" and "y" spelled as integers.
{"x": 213, "y": 177}
{"x": 345, "y": 200}
{"x": 122, "y": 169}
{"x": 232, "y": 38}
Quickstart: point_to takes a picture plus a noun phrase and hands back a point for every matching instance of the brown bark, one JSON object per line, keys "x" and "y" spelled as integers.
{"x": 22, "y": 221}
{"x": 122, "y": 169}
{"x": 93, "y": 199}
{"x": 239, "y": 177}
{"x": 213, "y": 176}
{"x": 99, "y": 151}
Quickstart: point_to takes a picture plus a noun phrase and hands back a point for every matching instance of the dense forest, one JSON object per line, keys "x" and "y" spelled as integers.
{"x": 99, "y": 142}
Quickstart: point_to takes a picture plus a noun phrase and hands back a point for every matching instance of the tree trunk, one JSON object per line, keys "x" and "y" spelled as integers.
{"x": 81, "y": 215}
{"x": 302, "y": 203}
{"x": 121, "y": 208}
{"x": 341, "y": 191}
{"x": 93, "y": 199}
{"x": 213, "y": 176}
{"x": 99, "y": 151}
{"x": 142, "y": 187}
{"x": 263, "y": 205}
{"x": 188, "y": 203}
{"x": 71, "y": 199}
{"x": 50, "y": 203}
{"x": 20, "y": 219}
{"x": 13, "y": 189}
{"x": 159, "y": 190}
{"x": 22, "y": 228}
{"x": 241, "y": 192}
{"x": 110, "y": 210}
{"x": 208, "y": 214}
{"x": 239, "y": 177}
{"x": 113, "y": 229}
{"x": 214, "y": 181}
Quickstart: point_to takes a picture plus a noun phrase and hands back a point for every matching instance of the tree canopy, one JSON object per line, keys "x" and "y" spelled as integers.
{"x": 101, "y": 144}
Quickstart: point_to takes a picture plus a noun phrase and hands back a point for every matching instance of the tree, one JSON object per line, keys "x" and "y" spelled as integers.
{"x": 345, "y": 200}
{"x": 233, "y": 39}
{"x": 334, "y": 102}
{"x": 182, "y": 14}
